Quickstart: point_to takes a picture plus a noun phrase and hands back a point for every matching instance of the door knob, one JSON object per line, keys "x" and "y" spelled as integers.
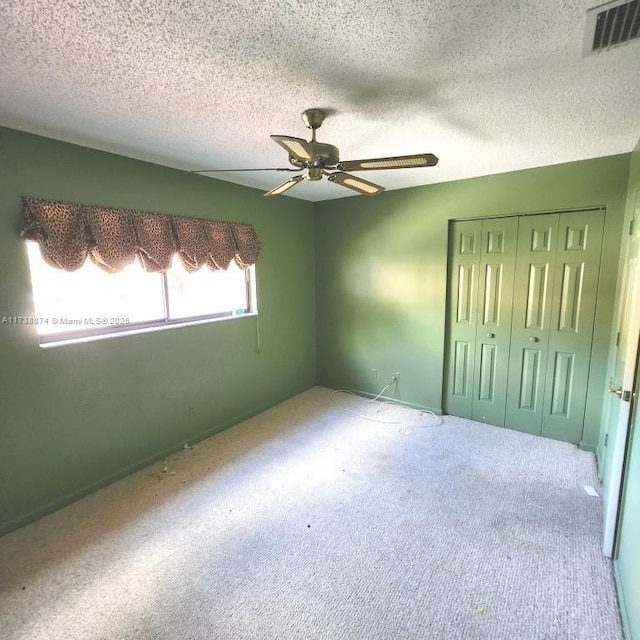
{"x": 491, "y": 335}
{"x": 533, "y": 339}
{"x": 624, "y": 395}
{"x": 617, "y": 391}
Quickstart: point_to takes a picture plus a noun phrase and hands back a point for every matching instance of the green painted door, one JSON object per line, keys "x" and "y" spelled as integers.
{"x": 521, "y": 313}
{"x": 493, "y": 324}
{"x": 573, "y": 310}
{"x": 482, "y": 255}
{"x": 537, "y": 242}
{"x": 462, "y": 312}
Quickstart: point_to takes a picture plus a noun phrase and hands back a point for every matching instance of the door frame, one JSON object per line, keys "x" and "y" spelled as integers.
{"x": 624, "y": 366}
{"x": 618, "y": 464}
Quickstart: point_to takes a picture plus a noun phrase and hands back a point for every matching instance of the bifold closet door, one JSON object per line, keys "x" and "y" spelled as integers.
{"x": 493, "y": 335}
{"x": 533, "y": 290}
{"x": 481, "y": 283}
{"x": 575, "y": 287}
{"x": 555, "y": 290}
{"x": 520, "y": 320}
{"x": 464, "y": 256}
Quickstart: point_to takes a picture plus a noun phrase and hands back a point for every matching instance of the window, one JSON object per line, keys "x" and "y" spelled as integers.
{"x": 89, "y": 302}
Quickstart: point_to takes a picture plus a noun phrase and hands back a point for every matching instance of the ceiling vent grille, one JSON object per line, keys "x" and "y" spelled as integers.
{"x": 611, "y": 25}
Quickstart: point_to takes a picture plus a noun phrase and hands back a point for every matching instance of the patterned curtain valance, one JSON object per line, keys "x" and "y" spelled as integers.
{"x": 112, "y": 238}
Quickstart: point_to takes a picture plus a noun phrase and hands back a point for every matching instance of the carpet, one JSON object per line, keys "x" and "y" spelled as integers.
{"x": 311, "y": 522}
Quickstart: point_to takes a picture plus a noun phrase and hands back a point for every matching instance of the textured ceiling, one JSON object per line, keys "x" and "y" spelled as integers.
{"x": 486, "y": 86}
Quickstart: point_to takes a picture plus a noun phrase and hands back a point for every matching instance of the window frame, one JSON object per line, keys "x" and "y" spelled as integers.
{"x": 113, "y": 328}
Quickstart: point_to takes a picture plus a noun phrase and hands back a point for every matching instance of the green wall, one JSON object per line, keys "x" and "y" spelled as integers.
{"x": 381, "y": 273}
{"x": 370, "y": 293}
{"x": 75, "y": 417}
{"x": 627, "y": 553}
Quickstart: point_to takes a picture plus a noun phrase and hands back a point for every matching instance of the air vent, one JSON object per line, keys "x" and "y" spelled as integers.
{"x": 611, "y": 25}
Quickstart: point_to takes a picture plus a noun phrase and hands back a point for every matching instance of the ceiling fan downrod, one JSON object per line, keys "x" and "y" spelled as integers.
{"x": 313, "y": 119}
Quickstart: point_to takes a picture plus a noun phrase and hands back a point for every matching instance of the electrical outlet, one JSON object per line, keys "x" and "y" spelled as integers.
{"x": 374, "y": 374}
{"x": 395, "y": 376}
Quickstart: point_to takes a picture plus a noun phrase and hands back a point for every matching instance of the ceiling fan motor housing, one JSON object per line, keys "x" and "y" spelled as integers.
{"x": 322, "y": 155}
{"x": 325, "y": 154}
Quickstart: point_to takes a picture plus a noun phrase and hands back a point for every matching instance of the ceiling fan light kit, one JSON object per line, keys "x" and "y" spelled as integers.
{"x": 319, "y": 159}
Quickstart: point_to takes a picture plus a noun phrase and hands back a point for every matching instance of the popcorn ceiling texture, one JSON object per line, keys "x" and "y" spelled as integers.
{"x": 202, "y": 83}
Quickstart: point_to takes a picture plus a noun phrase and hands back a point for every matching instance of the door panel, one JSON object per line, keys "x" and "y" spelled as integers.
{"x": 461, "y": 369}
{"x": 537, "y": 243}
{"x": 529, "y": 379}
{"x": 572, "y": 316}
{"x": 464, "y": 251}
{"x": 466, "y": 290}
{"x": 563, "y": 373}
{"x": 491, "y": 302}
{"x": 495, "y": 291}
{"x": 537, "y": 292}
{"x": 486, "y": 382}
{"x": 572, "y": 288}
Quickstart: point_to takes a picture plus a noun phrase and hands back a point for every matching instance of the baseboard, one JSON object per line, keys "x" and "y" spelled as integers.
{"x": 12, "y": 525}
{"x": 622, "y": 606}
{"x": 598, "y": 453}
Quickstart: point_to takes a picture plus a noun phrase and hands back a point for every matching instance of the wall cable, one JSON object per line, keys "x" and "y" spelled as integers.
{"x": 383, "y": 406}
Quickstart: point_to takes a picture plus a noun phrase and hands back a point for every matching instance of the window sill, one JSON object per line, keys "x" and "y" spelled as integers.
{"x": 52, "y": 341}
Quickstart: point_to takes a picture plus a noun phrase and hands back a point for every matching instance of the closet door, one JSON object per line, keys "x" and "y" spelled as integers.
{"x": 464, "y": 262}
{"x": 572, "y": 318}
{"x": 493, "y": 336}
{"x": 482, "y": 256}
{"x": 520, "y": 320}
{"x": 534, "y": 277}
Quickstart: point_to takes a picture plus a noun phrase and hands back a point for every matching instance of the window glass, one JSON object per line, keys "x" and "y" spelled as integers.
{"x": 205, "y": 292}
{"x": 90, "y": 301}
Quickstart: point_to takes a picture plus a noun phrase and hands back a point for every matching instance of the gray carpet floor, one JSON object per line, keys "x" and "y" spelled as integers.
{"x": 310, "y": 522}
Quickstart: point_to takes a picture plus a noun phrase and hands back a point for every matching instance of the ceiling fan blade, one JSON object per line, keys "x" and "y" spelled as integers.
{"x": 357, "y": 184}
{"x": 297, "y": 148}
{"x": 261, "y": 169}
{"x": 285, "y": 186}
{"x": 399, "y": 162}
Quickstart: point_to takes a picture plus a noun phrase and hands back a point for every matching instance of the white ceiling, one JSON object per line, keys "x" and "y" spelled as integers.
{"x": 486, "y": 86}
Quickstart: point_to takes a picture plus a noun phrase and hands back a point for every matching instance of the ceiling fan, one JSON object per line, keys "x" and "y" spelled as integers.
{"x": 319, "y": 159}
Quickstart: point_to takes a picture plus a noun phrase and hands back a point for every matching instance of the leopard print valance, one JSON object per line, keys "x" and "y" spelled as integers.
{"x": 113, "y": 238}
